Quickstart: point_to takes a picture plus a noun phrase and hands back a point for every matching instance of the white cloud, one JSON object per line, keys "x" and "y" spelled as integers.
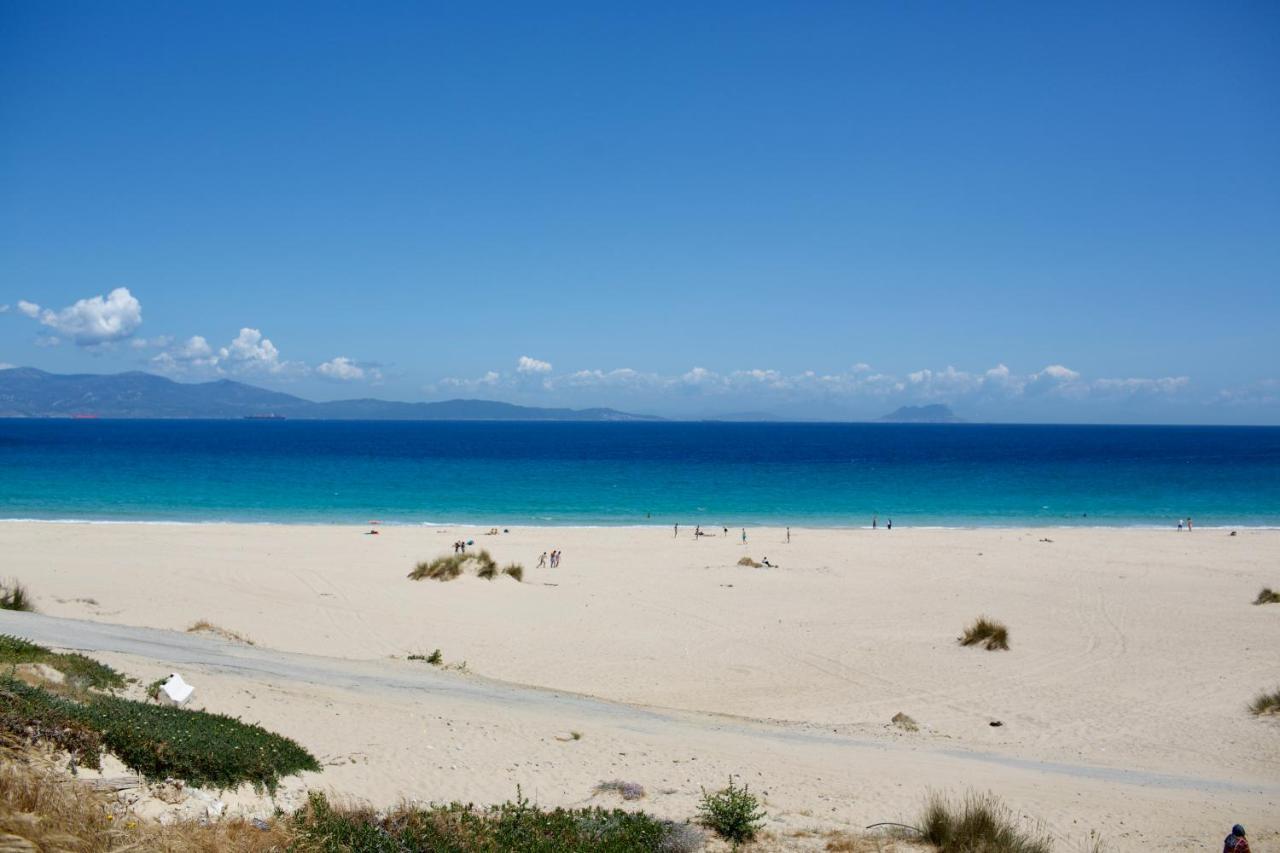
{"x": 700, "y": 376}
{"x": 1264, "y": 392}
{"x": 248, "y": 353}
{"x": 343, "y": 369}
{"x": 525, "y": 364}
{"x": 91, "y": 322}
{"x": 1163, "y": 385}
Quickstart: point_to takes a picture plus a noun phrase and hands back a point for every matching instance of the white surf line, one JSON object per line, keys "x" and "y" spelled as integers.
{"x": 251, "y": 661}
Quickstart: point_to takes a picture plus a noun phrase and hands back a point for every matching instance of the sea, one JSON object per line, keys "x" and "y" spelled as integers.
{"x": 627, "y": 473}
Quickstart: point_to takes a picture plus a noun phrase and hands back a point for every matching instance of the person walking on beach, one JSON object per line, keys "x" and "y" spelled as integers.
{"x": 1179, "y": 525}
{"x": 1188, "y": 524}
{"x": 677, "y": 531}
{"x": 788, "y": 535}
{"x": 889, "y": 526}
{"x": 1236, "y": 842}
{"x": 744, "y": 536}
{"x": 542, "y": 561}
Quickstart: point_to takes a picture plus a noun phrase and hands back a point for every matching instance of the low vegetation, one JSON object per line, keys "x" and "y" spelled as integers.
{"x": 626, "y": 790}
{"x": 518, "y": 827}
{"x": 1267, "y": 596}
{"x": 199, "y": 748}
{"x": 747, "y": 561}
{"x": 988, "y": 633}
{"x": 1266, "y": 703}
{"x": 80, "y": 671}
{"x": 978, "y": 823}
{"x": 29, "y": 715}
{"x": 904, "y": 722}
{"x": 450, "y": 566}
{"x": 436, "y": 658}
{"x": 41, "y": 809}
{"x": 204, "y": 626}
{"x": 733, "y": 813}
{"x": 14, "y": 596}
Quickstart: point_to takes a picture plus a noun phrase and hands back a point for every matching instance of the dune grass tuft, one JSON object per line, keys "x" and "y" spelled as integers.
{"x": 747, "y": 561}
{"x": 1266, "y": 703}
{"x": 515, "y": 570}
{"x": 450, "y": 566}
{"x": 1267, "y": 596}
{"x": 979, "y": 823}
{"x": 204, "y": 626}
{"x": 990, "y": 634}
{"x": 14, "y": 596}
{"x": 440, "y": 569}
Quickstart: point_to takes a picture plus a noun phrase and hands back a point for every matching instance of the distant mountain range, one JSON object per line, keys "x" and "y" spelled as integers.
{"x": 933, "y": 414}
{"x": 26, "y": 392}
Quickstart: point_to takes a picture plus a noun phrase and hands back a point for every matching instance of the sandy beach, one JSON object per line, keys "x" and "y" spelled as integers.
{"x": 1122, "y": 700}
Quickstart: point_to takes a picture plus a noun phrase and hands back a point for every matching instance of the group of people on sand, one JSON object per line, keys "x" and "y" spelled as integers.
{"x": 554, "y": 557}
{"x": 460, "y": 546}
{"x": 1184, "y": 521}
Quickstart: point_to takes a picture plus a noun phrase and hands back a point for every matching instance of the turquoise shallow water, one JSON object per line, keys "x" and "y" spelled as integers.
{"x": 637, "y": 473}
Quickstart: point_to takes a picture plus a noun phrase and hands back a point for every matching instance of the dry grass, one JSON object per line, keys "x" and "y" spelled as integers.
{"x": 14, "y": 596}
{"x": 515, "y": 570}
{"x": 204, "y": 626}
{"x": 747, "y": 561}
{"x": 450, "y": 566}
{"x": 43, "y": 806}
{"x": 1266, "y": 703}
{"x": 1267, "y": 596}
{"x": 978, "y": 823}
{"x": 990, "y": 634}
{"x": 849, "y": 842}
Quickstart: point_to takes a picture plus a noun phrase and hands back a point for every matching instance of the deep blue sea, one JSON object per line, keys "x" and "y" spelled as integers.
{"x": 638, "y": 473}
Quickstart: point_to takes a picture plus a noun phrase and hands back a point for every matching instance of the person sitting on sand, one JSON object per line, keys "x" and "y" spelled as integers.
{"x": 765, "y": 562}
{"x": 1236, "y": 842}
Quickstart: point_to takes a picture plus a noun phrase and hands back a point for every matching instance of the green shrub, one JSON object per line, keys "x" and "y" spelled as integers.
{"x": 991, "y": 634}
{"x": 1267, "y": 596}
{"x": 1266, "y": 703}
{"x": 435, "y": 658}
{"x": 14, "y": 596}
{"x": 517, "y": 827}
{"x": 199, "y": 748}
{"x": 733, "y": 813}
{"x": 980, "y": 824}
{"x": 78, "y": 668}
{"x": 515, "y": 570}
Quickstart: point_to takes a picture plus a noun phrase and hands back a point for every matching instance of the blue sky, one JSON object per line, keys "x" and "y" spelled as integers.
{"x": 1029, "y": 211}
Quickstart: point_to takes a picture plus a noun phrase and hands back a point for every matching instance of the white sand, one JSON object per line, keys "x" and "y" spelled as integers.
{"x": 1131, "y": 651}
